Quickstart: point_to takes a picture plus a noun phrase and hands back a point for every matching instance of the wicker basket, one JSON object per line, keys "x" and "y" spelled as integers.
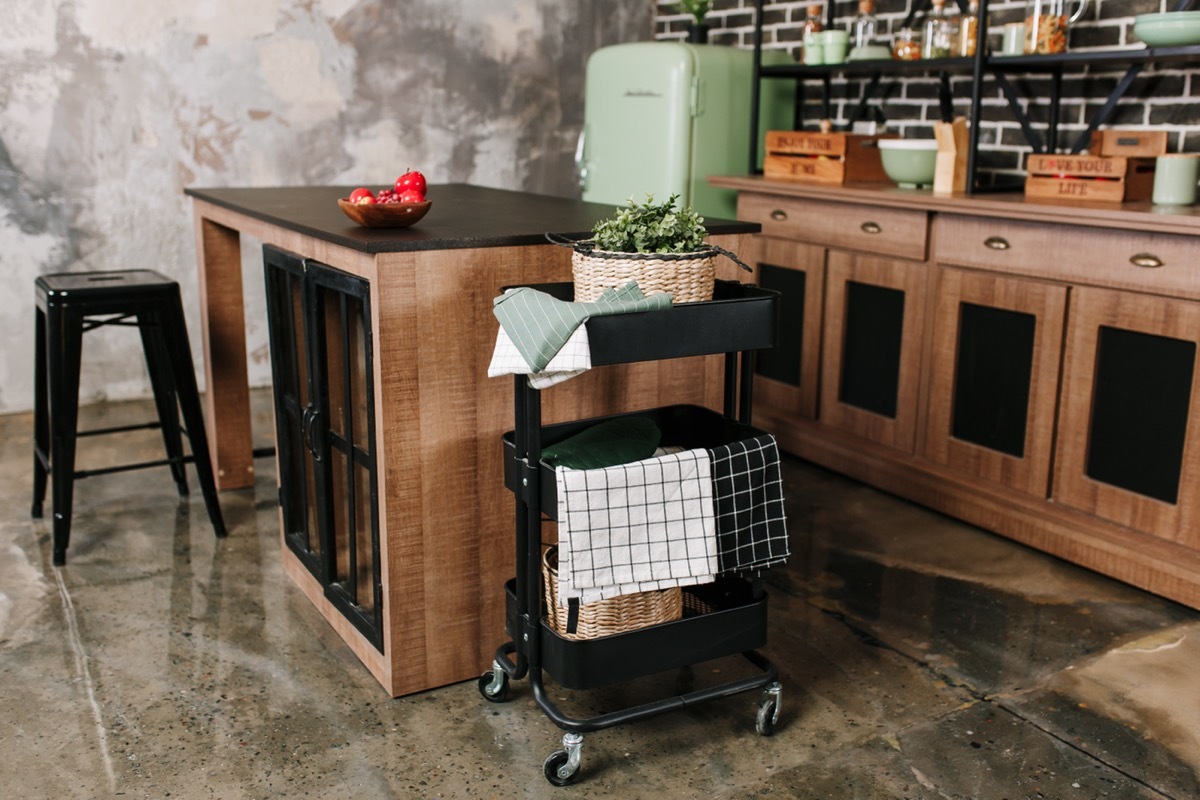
{"x": 687, "y": 277}
{"x": 613, "y": 615}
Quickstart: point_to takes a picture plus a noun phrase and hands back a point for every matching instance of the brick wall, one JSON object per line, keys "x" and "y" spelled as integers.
{"x": 1165, "y": 96}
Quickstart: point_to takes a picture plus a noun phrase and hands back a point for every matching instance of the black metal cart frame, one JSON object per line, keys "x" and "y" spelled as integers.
{"x": 738, "y": 321}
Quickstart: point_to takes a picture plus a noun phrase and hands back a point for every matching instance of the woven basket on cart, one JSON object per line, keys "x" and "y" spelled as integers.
{"x": 687, "y": 277}
{"x": 605, "y": 617}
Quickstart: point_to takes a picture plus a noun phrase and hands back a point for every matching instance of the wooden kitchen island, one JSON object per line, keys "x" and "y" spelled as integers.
{"x": 431, "y": 522}
{"x": 1025, "y": 366}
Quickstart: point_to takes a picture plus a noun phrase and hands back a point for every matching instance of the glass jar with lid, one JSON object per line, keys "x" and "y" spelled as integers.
{"x": 1047, "y": 23}
{"x": 938, "y": 35}
{"x": 906, "y": 46}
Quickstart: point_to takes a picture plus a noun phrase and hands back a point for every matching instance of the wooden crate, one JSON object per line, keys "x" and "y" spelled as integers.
{"x": 830, "y": 158}
{"x": 1101, "y": 179}
{"x": 1128, "y": 143}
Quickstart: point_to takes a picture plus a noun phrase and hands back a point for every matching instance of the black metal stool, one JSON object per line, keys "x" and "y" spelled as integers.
{"x": 69, "y": 305}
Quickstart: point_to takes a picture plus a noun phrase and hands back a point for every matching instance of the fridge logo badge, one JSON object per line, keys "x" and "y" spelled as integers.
{"x": 642, "y": 93}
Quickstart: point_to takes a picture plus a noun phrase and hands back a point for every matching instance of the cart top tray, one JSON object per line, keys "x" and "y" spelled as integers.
{"x": 739, "y": 317}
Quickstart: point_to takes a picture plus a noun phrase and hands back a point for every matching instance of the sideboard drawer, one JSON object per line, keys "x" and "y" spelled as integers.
{"x": 848, "y": 226}
{"x": 1161, "y": 263}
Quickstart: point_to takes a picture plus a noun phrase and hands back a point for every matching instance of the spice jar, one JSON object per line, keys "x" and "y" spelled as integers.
{"x": 1046, "y": 25}
{"x": 938, "y": 36}
{"x": 812, "y": 26}
{"x": 907, "y": 45}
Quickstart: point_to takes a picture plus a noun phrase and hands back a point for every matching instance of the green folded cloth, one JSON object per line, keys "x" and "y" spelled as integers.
{"x": 605, "y": 444}
{"x": 540, "y": 324}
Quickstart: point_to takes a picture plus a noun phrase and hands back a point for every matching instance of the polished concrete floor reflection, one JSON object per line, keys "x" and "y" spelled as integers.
{"x": 920, "y": 658}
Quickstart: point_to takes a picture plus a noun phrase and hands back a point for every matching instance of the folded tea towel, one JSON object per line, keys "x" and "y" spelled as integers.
{"x": 635, "y": 527}
{"x": 539, "y": 325}
{"x": 748, "y": 501}
{"x": 573, "y": 358}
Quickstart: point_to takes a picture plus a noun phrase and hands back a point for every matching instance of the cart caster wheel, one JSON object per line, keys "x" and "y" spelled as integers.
{"x": 554, "y": 767}
{"x": 562, "y": 766}
{"x": 764, "y": 721}
{"x": 493, "y": 685}
{"x": 768, "y": 709}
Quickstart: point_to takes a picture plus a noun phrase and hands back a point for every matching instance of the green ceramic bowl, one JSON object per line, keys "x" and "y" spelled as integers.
{"x": 909, "y": 162}
{"x": 1171, "y": 29}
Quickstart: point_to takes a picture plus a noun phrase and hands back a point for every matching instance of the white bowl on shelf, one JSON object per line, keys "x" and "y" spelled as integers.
{"x": 909, "y": 162}
{"x": 1169, "y": 29}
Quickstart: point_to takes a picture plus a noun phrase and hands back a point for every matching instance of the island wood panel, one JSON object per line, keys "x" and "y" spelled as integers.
{"x": 810, "y": 260}
{"x": 1159, "y": 263}
{"x": 907, "y": 278}
{"x": 1046, "y": 304}
{"x": 218, "y": 234}
{"x": 1092, "y": 308}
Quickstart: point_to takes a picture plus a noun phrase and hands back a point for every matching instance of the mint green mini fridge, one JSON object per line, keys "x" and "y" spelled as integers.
{"x": 660, "y": 117}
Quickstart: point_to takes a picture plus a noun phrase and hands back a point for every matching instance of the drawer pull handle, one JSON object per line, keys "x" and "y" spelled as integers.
{"x": 996, "y": 243}
{"x": 779, "y": 215}
{"x": 871, "y": 227}
{"x": 1147, "y": 260}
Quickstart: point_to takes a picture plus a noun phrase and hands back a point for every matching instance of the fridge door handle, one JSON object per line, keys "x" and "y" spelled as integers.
{"x": 581, "y": 167}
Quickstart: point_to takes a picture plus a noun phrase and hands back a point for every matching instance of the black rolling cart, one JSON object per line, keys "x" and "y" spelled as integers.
{"x": 726, "y": 618}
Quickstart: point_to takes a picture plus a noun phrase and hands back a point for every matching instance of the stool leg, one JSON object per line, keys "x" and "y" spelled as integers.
{"x": 64, "y": 352}
{"x": 159, "y": 366}
{"x": 175, "y": 336}
{"x": 41, "y": 416}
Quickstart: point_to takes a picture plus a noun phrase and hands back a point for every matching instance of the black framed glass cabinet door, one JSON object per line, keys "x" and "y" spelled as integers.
{"x": 322, "y": 362}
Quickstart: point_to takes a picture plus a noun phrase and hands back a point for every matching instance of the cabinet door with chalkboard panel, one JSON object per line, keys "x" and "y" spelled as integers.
{"x": 993, "y": 377}
{"x": 786, "y": 376}
{"x": 871, "y": 356}
{"x": 1128, "y": 447}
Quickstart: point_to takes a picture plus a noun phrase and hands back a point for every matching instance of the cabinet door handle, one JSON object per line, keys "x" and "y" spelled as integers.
{"x": 996, "y": 243}
{"x": 1147, "y": 260}
{"x": 779, "y": 215}
{"x": 871, "y": 227}
{"x": 307, "y": 420}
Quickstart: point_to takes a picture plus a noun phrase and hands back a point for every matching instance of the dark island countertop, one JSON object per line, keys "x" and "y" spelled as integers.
{"x": 462, "y": 216}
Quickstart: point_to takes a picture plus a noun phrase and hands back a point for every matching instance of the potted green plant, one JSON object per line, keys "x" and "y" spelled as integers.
{"x": 698, "y": 9}
{"x": 658, "y": 245}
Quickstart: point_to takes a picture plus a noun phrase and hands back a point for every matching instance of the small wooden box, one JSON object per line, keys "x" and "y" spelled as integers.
{"x": 1128, "y": 143}
{"x": 831, "y": 158}
{"x": 1101, "y": 179}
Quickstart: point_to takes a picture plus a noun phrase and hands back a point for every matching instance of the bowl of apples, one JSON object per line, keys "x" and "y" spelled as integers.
{"x": 397, "y": 206}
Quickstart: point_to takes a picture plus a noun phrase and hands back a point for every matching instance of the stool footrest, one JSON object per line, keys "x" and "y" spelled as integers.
{"x": 121, "y": 429}
{"x": 165, "y": 462}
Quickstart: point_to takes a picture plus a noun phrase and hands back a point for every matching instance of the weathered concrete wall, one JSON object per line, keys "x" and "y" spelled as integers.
{"x": 109, "y": 108}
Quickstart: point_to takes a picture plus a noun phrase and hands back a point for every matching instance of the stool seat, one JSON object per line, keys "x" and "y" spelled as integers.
{"x": 71, "y": 304}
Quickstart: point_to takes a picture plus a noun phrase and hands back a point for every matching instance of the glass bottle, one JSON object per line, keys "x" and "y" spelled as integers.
{"x": 938, "y": 34}
{"x": 968, "y": 30}
{"x": 862, "y": 30}
{"x": 1046, "y": 24}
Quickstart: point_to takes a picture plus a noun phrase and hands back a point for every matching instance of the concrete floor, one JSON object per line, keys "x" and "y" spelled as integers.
{"x": 920, "y": 658}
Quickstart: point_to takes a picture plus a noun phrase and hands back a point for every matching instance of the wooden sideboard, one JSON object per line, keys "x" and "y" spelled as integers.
{"x": 1026, "y": 367}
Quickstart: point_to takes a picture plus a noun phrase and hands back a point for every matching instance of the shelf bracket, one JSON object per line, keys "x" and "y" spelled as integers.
{"x": 1105, "y": 110}
{"x": 1014, "y": 103}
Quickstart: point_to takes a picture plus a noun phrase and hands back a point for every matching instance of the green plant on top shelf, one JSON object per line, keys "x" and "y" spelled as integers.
{"x": 651, "y": 228}
{"x": 697, "y": 8}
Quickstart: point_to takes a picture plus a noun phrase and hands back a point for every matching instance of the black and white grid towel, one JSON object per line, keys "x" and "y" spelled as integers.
{"x": 748, "y": 501}
{"x": 635, "y": 527}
